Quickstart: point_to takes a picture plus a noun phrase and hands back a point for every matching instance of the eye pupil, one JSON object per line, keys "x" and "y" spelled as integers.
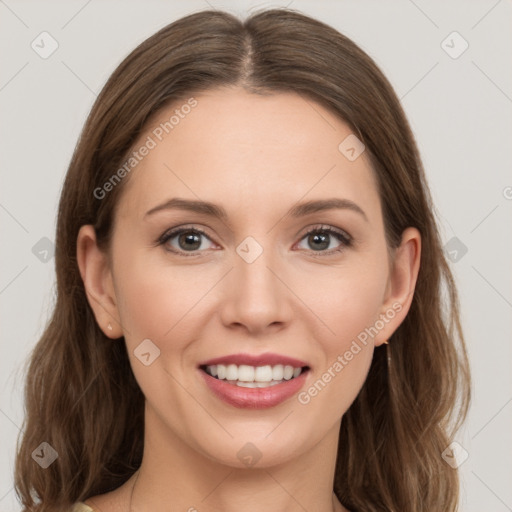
{"x": 322, "y": 238}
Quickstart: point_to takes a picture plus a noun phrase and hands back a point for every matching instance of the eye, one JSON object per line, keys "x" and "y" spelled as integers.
{"x": 187, "y": 240}
{"x": 320, "y": 238}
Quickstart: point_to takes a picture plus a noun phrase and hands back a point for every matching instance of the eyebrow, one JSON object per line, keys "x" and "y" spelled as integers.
{"x": 219, "y": 212}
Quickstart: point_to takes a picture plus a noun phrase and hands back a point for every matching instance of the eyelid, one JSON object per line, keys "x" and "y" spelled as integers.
{"x": 176, "y": 230}
{"x": 328, "y": 228}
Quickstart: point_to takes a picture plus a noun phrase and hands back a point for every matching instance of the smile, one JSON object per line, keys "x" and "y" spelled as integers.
{"x": 253, "y": 387}
{"x": 253, "y": 376}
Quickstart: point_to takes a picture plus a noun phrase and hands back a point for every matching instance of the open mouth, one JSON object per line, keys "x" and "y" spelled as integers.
{"x": 254, "y": 376}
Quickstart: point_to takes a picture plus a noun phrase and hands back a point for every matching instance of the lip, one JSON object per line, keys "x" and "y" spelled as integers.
{"x": 254, "y": 398}
{"x": 256, "y": 360}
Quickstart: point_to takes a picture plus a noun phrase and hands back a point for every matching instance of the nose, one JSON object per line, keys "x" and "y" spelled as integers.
{"x": 256, "y": 298}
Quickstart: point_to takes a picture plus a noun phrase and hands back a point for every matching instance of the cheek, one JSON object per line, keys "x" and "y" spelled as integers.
{"x": 345, "y": 300}
{"x": 153, "y": 299}
{"x": 348, "y": 308}
{"x": 156, "y": 302}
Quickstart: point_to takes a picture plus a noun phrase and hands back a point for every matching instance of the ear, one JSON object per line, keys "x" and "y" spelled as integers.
{"x": 97, "y": 277}
{"x": 401, "y": 284}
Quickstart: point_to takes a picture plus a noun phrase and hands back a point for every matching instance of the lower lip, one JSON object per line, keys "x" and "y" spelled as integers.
{"x": 254, "y": 398}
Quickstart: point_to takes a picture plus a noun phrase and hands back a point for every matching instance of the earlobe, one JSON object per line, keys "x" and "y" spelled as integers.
{"x": 97, "y": 278}
{"x": 401, "y": 285}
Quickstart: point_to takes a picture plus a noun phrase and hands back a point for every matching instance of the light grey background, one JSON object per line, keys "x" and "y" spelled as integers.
{"x": 460, "y": 110}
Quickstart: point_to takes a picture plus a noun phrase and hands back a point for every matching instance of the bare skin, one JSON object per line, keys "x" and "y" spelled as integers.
{"x": 257, "y": 157}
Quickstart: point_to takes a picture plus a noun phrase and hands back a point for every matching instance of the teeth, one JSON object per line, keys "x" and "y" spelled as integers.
{"x": 221, "y": 371}
{"x": 277, "y": 372}
{"x": 231, "y": 372}
{"x": 256, "y": 384}
{"x": 263, "y": 373}
{"x": 288, "y": 372}
{"x": 245, "y": 375}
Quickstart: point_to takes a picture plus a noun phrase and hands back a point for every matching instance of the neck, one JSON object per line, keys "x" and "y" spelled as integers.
{"x": 175, "y": 476}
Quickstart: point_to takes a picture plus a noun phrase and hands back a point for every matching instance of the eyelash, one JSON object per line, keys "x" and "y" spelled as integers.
{"x": 340, "y": 235}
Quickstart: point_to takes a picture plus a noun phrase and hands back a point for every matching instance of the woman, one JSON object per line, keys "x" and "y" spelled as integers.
{"x": 204, "y": 354}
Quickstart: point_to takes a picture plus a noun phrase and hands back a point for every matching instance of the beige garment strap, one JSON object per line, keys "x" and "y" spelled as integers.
{"x": 81, "y": 507}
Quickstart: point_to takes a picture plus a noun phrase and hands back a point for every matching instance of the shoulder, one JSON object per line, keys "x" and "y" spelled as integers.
{"x": 113, "y": 501}
{"x": 116, "y": 500}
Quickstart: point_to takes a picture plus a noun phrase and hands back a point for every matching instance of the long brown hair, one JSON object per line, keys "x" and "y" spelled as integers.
{"x": 81, "y": 396}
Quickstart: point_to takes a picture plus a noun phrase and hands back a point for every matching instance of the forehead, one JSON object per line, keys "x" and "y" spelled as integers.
{"x": 246, "y": 150}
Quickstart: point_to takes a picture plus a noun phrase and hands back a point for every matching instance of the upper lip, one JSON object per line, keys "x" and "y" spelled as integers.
{"x": 255, "y": 360}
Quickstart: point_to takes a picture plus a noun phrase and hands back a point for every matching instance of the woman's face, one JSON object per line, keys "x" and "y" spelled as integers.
{"x": 253, "y": 282}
